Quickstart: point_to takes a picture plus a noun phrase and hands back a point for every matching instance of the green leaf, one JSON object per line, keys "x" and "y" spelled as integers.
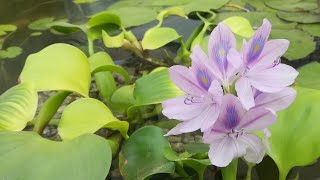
{"x": 104, "y": 80}
{"x": 309, "y": 76}
{"x": 135, "y": 15}
{"x": 66, "y": 28}
{"x": 157, "y": 37}
{"x": 113, "y": 41}
{"x": 142, "y": 155}
{"x": 41, "y": 24}
{"x": 203, "y": 5}
{"x": 301, "y": 43}
{"x": 195, "y": 148}
{"x": 155, "y": 88}
{"x": 103, "y": 18}
{"x": 113, "y": 68}
{"x": 230, "y": 172}
{"x": 295, "y": 138}
{"x": 10, "y": 52}
{"x": 18, "y": 106}
{"x": 28, "y": 156}
{"x": 240, "y": 26}
{"x": 4, "y": 28}
{"x": 312, "y": 29}
{"x": 58, "y": 67}
{"x": 300, "y": 17}
{"x": 122, "y": 99}
{"x": 170, "y": 11}
{"x": 88, "y": 115}
{"x": 84, "y": 1}
{"x": 292, "y": 5}
{"x": 36, "y": 34}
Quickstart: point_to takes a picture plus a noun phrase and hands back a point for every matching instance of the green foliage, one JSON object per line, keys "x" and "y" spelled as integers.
{"x": 88, "y": 115}
{"x": 312, "y": 29}
{"x": 240, "y": 26}
{"x": 203, "y": 5}
{"x": 58, "y": 67}
{"x": 10, "y": 52}
{"x": 157, "y": 37}
{"x": 18, "y": 106}
{"x": 230, "y": 172}
{"x": 309, "y": 76}
{"x": 142, "y": 154}
{"x": 113, "y": 41}
{"x": 28, "y": 156}
{"x": 122, "y": 99}
{"x": 4, "y": 28}
{"x": 41, "y": 24}
{"x": 301, "y": 17}
{"x": 292, "y": 5}
{"x": 295, "y": 137}
{"x": 84, "y": 1}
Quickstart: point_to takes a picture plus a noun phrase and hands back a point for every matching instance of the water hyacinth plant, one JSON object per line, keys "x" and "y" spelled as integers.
{"x": 228, "y": 117}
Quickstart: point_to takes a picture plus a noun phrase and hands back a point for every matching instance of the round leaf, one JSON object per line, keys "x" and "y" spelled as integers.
{"x": 143, "y": 154}
{"x": 295, "y": 138}
{"x": 309, "y": 76}
{"x": 122, "y": 98}
{"x": 240, "y": 26}
{"x": 300, "y": 17}
{"x": 88, "y": 115}
{"x": 313, "y": 29}
{"x": 203, "y": 5}
{"x": 158, "y": 37}
{"x": 28, "y": 156}
{"x": 41, "y": 24}
{"x": 292, "y": 5}
{"x": 84, "y": 1}
{"x": 58, "y": 67}
{"x": 18, "y": 106}
{"x": 10, "y": 52}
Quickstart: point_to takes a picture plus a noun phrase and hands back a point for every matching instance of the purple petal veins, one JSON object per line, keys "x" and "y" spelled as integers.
{"x": 232, "y": 118}
{"x": 256, "y": 49}
{"x": 220, "y": 52}
{"x": 204, "y": 79}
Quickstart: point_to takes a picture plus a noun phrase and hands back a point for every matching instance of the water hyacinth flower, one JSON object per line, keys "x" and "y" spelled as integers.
{"x": 199, "y": 107}
{"x": 230, "y": 137}
{"x": 260, "y": 67}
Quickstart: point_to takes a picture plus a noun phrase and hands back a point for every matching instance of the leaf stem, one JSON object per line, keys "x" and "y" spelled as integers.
{"x": 249, "y": 171}
{"x": 90, "y": 47}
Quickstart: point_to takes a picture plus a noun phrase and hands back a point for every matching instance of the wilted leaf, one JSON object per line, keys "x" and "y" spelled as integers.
{"x": 309, "y": 76}
{"x": 28, "y": 156}
{"x": 18, "y": 106}
{"x": 157, "y": 37}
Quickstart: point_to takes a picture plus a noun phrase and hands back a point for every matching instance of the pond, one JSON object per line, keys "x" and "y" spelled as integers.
{"x": 129, "y": 45}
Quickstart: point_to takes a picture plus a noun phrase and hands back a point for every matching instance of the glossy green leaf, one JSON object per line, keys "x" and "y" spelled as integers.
{"x": 10, "y": 52}
{"x": 84, "y": 1}
{"x": 58, "y": 67}
{"x": 18, "y": 106}
{"x": 113, "y": 68}
{"x": 88, "y": 115}
{"x": 203, "y": 5}
{"x": 122, "y": 99}
{"x": 301, "y": 43}
{"x": 309, "y": 76}
{"x": 104, "y": 80}
{"x": 66, "y": 28}
{"x": 300, "y": 17}
{"x": 170, "y": 11}
{"x": 103, "y": 18}
{"x": 113, "y": 41}
{"x": 155, "y": 88}
{"x": 142, "y": 154}
{"x": 292, "y": 5}
{"x": 135, "y": 15}
{"x": 28, "y": 156}
{"x": 157, "y": 37}
{"x": 41, "y": 24}
{"x": 295, "y": 138}
{"x": 240, "y": 26}
{"x": 312, "y": 29}
{"x": 4, "y": 28}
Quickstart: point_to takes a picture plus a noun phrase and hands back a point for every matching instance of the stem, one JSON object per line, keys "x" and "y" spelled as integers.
{"x": 250, "y": 166}
{"x": 90, "y": 47}
{"x": 48, "y": 110}
{"x": 230, "y": 172}
{"x": 237, "y": 6}
{"x": 283, "y": 174}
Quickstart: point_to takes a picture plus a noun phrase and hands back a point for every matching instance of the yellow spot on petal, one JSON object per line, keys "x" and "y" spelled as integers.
{"x": 222, "y": 53}
{"x": 256, "y": 48}
{"x": 204, "y": 80}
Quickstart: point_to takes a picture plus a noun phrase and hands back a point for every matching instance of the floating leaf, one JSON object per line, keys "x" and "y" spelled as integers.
{"x": 142, "y": 155}
{"x": 309, "y": 76}
{"x": 84, "y": 1}
{"x": 4, "y": 28}
{"x": 313, "y": 29}
{"x": 28, "y": 156}
{"x": 157, "y": 37}
{"x": 36, "y": 34}
{"x": 292, "y": 5}
{"x": 10, "y": 52}
{"x": 113, "y": 41}
{"x": 18, "y": 106}
{"x": 295, "y": 138}
{"x": 195, "y": 148}
{"x": 58, "y": 67}
{"x": 41, "y": 24}
{"x": 240, "y": 26}
{"x": 301, "y": 43}
{"x": 122, "y": 99}
{"x": 203, "y": 5}
{"x": 88, "y": 115}
{"x": 300, "y": 17}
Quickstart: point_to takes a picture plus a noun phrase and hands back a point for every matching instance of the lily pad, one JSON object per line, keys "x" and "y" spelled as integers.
{"x": 293, "y": 5}
{"x": 10, "y": 52}
{"x": 41, "y": 24}
{"x": 312, "y": 29}
{"x": 309, "y": 76}
{"x": 157, "y": 37}
{"x": 4, "y": 28}
{"x": 300, "y": 17}
{"x": 301, "y": 43}
{"x": 88, "y": 115}
{"x": 18, "y": 106}
{"x": 28, "y": 156}
{"x": 142, "y": 155}
{"x": 295, "y": 138}
{"x": 58, "y": 67}
{"x": 203, "y": 5}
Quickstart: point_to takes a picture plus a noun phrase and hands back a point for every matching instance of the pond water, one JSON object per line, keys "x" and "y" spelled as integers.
{"x": 23, "y": 12}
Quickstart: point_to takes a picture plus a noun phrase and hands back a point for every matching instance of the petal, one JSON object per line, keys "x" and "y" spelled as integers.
{"x": 271, "y": 52}
{"x": 185, "y": 79}
{"x": 216, "y": 91}
{"x": 235, "y": 64}
{"x": 256, "y": 44}
{"x": 176, "y": 108}
{"x": 208, "y": 117}
{"x": 273, "y": 79}
{"x": 201, "y": 61}
{"x": 254, "y": 148}
{"x": 276, "y": 101}
{"x": 244, "y": 92}
{"x": 257, "y": 119}
{"x": 220, "y": 41}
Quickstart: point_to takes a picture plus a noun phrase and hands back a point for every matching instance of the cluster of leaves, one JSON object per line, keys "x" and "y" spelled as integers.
{"x": 66, "y": 69}
{"x": 10, "y": 52}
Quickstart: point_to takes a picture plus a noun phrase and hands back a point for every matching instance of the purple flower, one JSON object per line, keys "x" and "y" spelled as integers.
{"x": 230, "y": 137}
{"x": 199, "y": 107}
{"x": 260, "y": 66}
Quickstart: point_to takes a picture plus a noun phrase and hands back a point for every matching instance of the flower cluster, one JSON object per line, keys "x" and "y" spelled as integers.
{"x": 229, "y": 94}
